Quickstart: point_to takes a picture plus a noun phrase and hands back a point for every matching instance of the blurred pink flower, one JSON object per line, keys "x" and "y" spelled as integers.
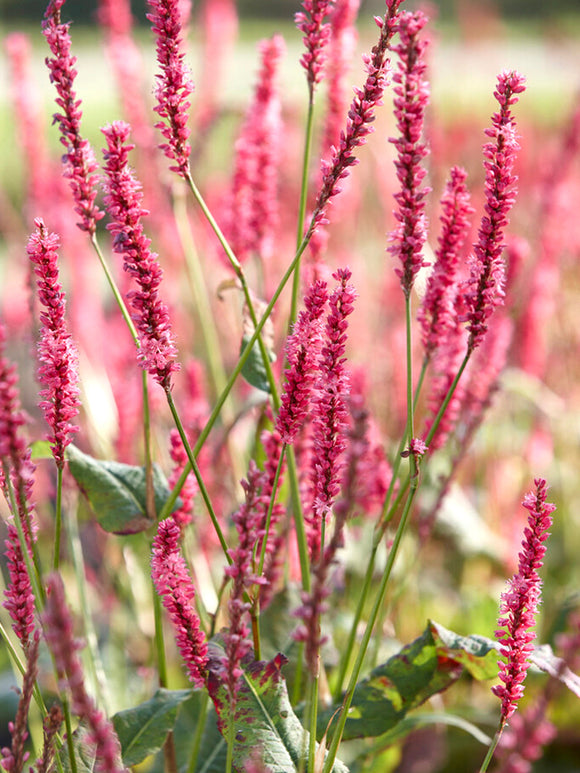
{"x": 437, "y": 312}
{"x": 58, "y": 631}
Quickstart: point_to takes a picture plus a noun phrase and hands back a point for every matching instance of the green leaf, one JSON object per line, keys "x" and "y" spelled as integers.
{"x": 429, "y": 665}
{"x": 143, "y": 729}
{"x": 253, "y": 369}
{"x": 83, "y": 750}
{"x": 264, "y": 721}
{"x": 116, "y": 492}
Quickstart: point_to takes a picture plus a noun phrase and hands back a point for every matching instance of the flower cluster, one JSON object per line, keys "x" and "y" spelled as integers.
{"x": 173, "y": 584}
{"x": 520, "y": 602}
{"x": 58, "y": 631}
{"x": 411, "y": 99}
{"x": 360, "y": 116}
{"x": 123, "y": 201}
{"x": 248, "y": 525}
{"x": 302, "y": 351}
{"x": 174, "y": 83}
{"x": 56, "y": 351}
{"x": 79, "y": 158}
{"x": 316, "y": 36}
{"x": 330, "y": 414}
{"x": 485, "y": 287}
{"x": 13, "y": 759}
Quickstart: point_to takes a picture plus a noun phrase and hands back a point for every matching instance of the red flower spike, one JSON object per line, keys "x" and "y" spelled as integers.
{"x": 519, "y": 604}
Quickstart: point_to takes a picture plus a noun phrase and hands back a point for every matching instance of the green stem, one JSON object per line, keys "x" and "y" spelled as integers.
{"x": 196, "y": 471}
{"x": 21, "y": 666}
{"x": 313, "y": 720}
{"x": 410, "y": 402}
{"x": 303, "y": 201}
{"x": 115, "y": 290}
{"x": 234, "y": 375}
{"x": 237, "y": 266}
{"x": 447, "y": 399}
{"x": 57, "y": 520}
{"x": 379, "y": 599}
{"x": 95, "y": 663}
{"x": 491, "y": 749}
{"x": 199, "y": 729}
{"x": 69, "y": 734}
{"x": 149, "y": 485}
{"x": 159, "y": 639}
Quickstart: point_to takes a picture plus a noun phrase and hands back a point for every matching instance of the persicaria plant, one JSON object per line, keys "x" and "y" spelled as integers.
{"x": 257, "y": 473}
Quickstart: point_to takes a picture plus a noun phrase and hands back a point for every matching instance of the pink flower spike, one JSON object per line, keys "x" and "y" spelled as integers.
{"x": 173, "y": 584}
{"x": 123, "y": 201}
{"x": 79, "y": 159}
{"x": 437, "y": 312}
{"x": 485, "y": 286}
{"x": 174, "y": 83}
{"x": 316, "y": 36}
{"x": 58, "y": 631}
{"x": 302, "y": 352}
{"x": 56, "y": 352}
{"x": 330, "y": 412}
{"x": 249, "y": 525}
{"x": 360, "y": 116}
{"x": 411, "y": 99}
{"x": 519, "y": 603}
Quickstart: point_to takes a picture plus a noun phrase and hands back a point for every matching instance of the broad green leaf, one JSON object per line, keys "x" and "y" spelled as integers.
{"x": 253, "y": 370}
{"x": 84, "y": 753}
{"x": 116, "y": 492}
{"x": 426, "y": 666}
{"x": 143, "y": 729}
{"x": 264, "y": 721}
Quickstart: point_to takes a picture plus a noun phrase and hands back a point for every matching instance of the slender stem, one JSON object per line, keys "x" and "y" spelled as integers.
{"x": 57, "y": 519}
{"x": 20, "y": 665}
{"x": 159, "y": 639}
{"x": 199, "y": 728}
{"x": 237, "y": 266}
{"x": 410, "y": 402}
{"x": 348, "y": 650}
{"x": 447, "y": 399}
{"x": 271, "y": 504}
{"x": 95, "y": 664}
{"x": 230, "y": 739}
{"x": 302, "y": 205}
{"x": 115, "y": 290}
{"x": 149, "y": 486}
{"x": 32, "y": 564}
{"x": 69, "y": 734}
{"x": 313, "y": 719}
{"x": 379, "y": 599}
{"x": 301, "y": 540}
{"x": 234, "y": 375}
{"x": 491, "y": 750}
{"x": 196, "y": 471}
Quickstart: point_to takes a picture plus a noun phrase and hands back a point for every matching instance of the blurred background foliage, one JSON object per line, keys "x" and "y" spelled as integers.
{"x": 448, "y": 10}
